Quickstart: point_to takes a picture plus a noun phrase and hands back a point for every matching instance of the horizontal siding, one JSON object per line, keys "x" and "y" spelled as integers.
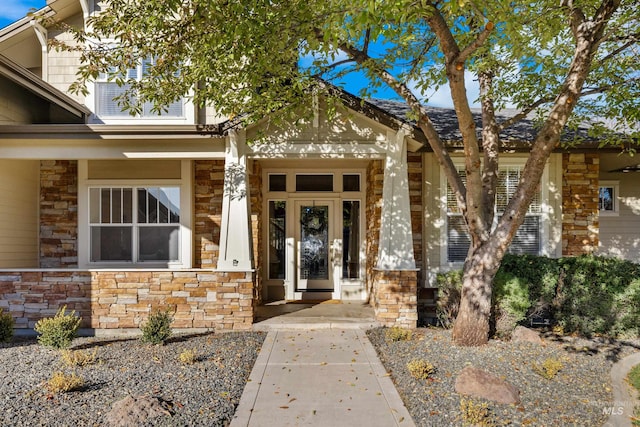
{"x": 19, "y": 214}
{"x": 62, "y": 66}
{"x": 620, "y": 235}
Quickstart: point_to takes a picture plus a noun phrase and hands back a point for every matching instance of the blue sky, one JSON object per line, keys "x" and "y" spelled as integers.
{"x": 12, "y": 10}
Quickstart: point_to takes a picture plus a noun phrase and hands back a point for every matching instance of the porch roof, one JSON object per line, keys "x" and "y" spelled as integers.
{"x": 25, "y": 79}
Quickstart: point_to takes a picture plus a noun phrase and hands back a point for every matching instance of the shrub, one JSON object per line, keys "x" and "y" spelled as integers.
{"x": 585, "y": 295}
{"x": 396, "y": 333}
{"x": 549, "y": 368}
{"x": 78, "y": 357}
{"x": 60, "y": 330}
{"x": 477, "y": 414}
{"x": 62, "y": 383}
{"x": 420, "y": 369}
{"x": 188, "y": 357}
{"x": 449, "y": 288}
{"x": 157, "y": 328}
{"x": 6, "y": 326}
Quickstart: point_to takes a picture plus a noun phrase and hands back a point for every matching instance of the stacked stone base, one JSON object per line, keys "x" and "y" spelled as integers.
{"x": 123, "y": 299}
{"x": 396, "y": 298}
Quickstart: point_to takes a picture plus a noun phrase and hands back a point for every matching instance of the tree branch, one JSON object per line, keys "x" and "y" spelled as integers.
{"x": 523, "y": 114}
{"x": 605, "y": 88}
{"x": 479, "y": 41}
{"x": 424, "y": 122}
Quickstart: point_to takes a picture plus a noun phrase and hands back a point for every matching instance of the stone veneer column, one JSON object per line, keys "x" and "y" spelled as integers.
{"x": 580, "y": 216}
{"x": 396, "y": 298}
{"x": 58, "y": 214}
{"x": 208, "y": 188}
{"x": 255, "y": 193}
{"x": 375, "y": 177}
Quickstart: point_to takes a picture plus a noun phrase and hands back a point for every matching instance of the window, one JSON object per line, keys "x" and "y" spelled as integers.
{"x": 134, "y": 224}
{"x": 608, "y": 198}
{"x": 528, "y": 237}
{"x": 106, "y": 91}
{"x": 316, "y": 182}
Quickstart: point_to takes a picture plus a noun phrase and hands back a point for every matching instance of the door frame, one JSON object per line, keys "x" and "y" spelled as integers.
{"x": 356, "y": 288}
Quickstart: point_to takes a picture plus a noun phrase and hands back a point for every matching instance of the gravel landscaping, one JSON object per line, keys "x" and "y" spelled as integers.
{"x": 578, "y": 395}
{"x": 203, "y": 393}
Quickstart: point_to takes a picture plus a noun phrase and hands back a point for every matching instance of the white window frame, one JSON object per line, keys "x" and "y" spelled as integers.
{"x": 615, "y": 185}
{"x": 545, "y": 211}
{"x": 185, "y": 226}
{"x": 188, "y": 109}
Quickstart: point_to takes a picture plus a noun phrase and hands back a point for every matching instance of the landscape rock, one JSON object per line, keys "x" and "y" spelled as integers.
{"x": 135, "y": 411}
{"x": 522, "y": 334}
{"x": 478, "y": 383}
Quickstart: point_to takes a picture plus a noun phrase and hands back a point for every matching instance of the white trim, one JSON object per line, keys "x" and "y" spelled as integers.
{"x": 290, "y": 197}
{"x": 546, "y": 212}
{"x": 185, "y": 185}
{"x": 615, "y": 185}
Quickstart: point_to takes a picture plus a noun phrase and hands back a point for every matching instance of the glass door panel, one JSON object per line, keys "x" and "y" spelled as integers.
{"x": 314, "y": 230}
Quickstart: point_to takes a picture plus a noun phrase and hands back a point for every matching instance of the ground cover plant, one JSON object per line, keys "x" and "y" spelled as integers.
{"x": 39, "y": 388}
{"x": 588, "y": 295}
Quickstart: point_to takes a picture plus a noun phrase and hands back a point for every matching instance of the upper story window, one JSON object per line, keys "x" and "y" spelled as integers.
{"x": 608, "y": 198}
{"x": 528, "y": 238}
{"x": 106, "y": 90}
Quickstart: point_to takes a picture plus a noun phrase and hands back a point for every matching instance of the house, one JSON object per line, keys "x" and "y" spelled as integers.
{"x": 114, "y": 215}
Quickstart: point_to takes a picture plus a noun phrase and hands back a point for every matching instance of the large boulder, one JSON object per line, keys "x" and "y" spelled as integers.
{"x": 135, "y": 411}
{"x": 475, "y": 382}
{"x": 522, "y": 334}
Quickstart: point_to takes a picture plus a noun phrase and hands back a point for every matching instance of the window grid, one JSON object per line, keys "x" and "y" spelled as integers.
{"x": 136, "y": 224}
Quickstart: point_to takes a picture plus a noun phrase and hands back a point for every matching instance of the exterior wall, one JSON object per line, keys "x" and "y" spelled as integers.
{"x": 375, "y": 178}
{"x": 209, "y": 184}
{"x": 111, "y": 299}
{"x": 58, "y": 213}
{"x": 19, "y": 188}
{"x": 13, "y": 109}
{"x": 415, "y": 197}
{"x": 63, "y": 65}
{"x": 620, "y": 232}
{"x": 396, "y": 298}
{"x": 255, "y": 192}
{"x": 580, "y": 203}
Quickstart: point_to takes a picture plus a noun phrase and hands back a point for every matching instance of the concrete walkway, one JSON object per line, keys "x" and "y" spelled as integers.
{"x": 319, "y": 377}
{"x": 623, "y": 399}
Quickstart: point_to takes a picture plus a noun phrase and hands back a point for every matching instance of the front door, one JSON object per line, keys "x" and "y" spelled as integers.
{"x": 316, "y": 245}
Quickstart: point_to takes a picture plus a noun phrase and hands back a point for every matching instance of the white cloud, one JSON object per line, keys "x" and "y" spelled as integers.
{"x": 441, "y": 97}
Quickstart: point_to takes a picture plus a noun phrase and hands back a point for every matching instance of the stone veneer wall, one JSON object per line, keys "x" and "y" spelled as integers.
{"x": 396, "y": 298}
{"x": 208, "y": 188}
{"x": 58, "y": 213}
{"x": 255, "y": 192}
{"x": 375, "y": 179}
{"x": 580, "y": 216}
{"x": 414, "y": 164}
{"x": 124, "y": 299}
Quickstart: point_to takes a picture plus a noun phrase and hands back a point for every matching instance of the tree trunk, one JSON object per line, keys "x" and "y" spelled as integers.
{"x": 471, "y": 327}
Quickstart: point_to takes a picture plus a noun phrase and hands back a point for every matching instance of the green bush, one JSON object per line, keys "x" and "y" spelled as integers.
{"x": 634, "y": 377}
{"x": 585, "y": 295}
{"x": 510, "y": 303}
{"x": 157, "y": 328}
{"x": 420, "y": 369}
{"x": 6, "y": 327}
{"x": 60, "y": 330}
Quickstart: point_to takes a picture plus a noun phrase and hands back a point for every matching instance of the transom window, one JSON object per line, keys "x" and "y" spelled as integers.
{"x": 108, "y": 89}
{"x": 134, "y": 224}
{"x": 528, "y": 237}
